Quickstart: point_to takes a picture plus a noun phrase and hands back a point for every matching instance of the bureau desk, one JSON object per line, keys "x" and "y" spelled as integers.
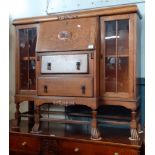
{"x": 88, "y": 57}
{"x": 71, "y": 139}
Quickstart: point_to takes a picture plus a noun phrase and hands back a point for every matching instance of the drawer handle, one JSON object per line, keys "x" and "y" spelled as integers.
{"x": 64, "y": 35}
{"x": 24, "y": 144}
{"x": 45, "y": 89}
{"x": 78, "y": 65}
{"x": 49, "y": 66}
{"x": 38, "y": 58}
{"x": 116, "y": 153}
{"x": 83, "y": 89}
{"x": 76, "y": 149}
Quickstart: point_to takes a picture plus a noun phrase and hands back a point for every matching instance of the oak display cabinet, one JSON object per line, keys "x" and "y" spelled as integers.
{"x": 80, "y": 58}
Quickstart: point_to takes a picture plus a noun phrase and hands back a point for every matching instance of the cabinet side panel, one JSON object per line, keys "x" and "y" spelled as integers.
{"x": 138, "y": 57}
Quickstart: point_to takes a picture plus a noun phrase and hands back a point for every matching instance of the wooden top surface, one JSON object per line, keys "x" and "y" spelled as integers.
{"x": 110, "y": 135}
{"x": 80, "y": 14}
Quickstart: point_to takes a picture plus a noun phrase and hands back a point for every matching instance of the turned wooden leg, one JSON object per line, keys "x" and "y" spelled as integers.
{"x": 31, "y": 112}
{"x": 36, "y": 126}
{"x": 133, "y": 127}
{"x": 95, "y": 134}
{"x": 16, "y": 121}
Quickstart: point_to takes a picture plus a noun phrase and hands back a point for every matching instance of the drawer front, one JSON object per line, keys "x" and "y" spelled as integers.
{"x": 24, "y": 143}
{"x": 64, "y": 64}
{"x": 65, "y": 86}
{"x": 22, "y": 153}
{"x": 75, "y": 148}
{"x": 112, "y": 150}
{"x": 66, "y": 35}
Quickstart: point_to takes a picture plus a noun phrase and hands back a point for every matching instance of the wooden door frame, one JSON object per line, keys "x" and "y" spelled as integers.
{"x": 130, "y": 93}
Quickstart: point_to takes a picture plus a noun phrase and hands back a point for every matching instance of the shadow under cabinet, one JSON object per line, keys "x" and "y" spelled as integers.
{"x": 71, "y": 139}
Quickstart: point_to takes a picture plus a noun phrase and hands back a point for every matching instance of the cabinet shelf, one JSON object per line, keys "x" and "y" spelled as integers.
{"x": 122, "y": 55}
{"x": 28, "y": 58}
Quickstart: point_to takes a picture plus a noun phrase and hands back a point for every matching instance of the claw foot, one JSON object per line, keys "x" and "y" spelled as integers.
{"x": 35, "y": 129}
{"x": 95, "y": 134}
{"x": 134, "y": 135}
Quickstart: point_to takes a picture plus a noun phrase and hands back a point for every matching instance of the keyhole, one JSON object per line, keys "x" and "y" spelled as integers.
{"x": 78, "y": 65}
{"x": 49, "y": 65}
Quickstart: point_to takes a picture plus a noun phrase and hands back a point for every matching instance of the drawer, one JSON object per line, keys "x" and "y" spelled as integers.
{"x": 64, "y": 64}
{"x": 75, "y": 148}
{"x": 67, "y": 35}
{"x": 22, "y": 153}
{"x": 65, "y": 86}
{"x": 112, "y": 150}
{"x": 24, "y": 143}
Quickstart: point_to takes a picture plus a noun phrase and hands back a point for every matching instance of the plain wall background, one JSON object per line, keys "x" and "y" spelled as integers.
{"x": 29, "y": 8}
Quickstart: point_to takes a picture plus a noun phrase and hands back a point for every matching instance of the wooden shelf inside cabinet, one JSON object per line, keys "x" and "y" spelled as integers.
{"x": 28, "y": 58}
{"x": 121, "y": 55}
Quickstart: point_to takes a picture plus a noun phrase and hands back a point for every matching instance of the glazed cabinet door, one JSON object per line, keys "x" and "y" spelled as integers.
{"x": 25, "y": 59}
{"x": 117, "y": 49}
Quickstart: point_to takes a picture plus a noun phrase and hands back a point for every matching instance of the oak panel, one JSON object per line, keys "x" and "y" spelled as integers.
{"x": 65, "y": 86}
{"x": 66, "y": 35}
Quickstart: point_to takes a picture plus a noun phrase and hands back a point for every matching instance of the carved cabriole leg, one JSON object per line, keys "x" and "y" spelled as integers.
{"x": 95, "y": 134}
{"x": 36, "y": 126}
{"x": 134, "y": 127}
{"x": 139, "y": 125}
{"x": 16, "y": 121}
{"x": 140, "y": 128}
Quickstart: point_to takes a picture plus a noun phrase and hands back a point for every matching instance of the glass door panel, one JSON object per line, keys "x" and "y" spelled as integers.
{"x": 32, "y": 74}
{"x": 110, "y": 74}
{"x": 123, "y": 37}
{"x": 27, "y": 43}
{"x": 23, "y": 47}
{"x": 123, "y": 56}
{"x": 117, "y": 56}
{"x": 110, "y": 38}
{"x": 122, "y": 74}
{"x": 110, "y": 56}
{"x": 32, "y": 41}
{"x": 32, "y": 44}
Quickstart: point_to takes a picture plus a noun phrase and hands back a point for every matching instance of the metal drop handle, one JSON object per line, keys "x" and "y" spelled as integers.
{"x": 45, "y": 89}
{"x": 83, "y": 89}
{"x": 78, "y": 65}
